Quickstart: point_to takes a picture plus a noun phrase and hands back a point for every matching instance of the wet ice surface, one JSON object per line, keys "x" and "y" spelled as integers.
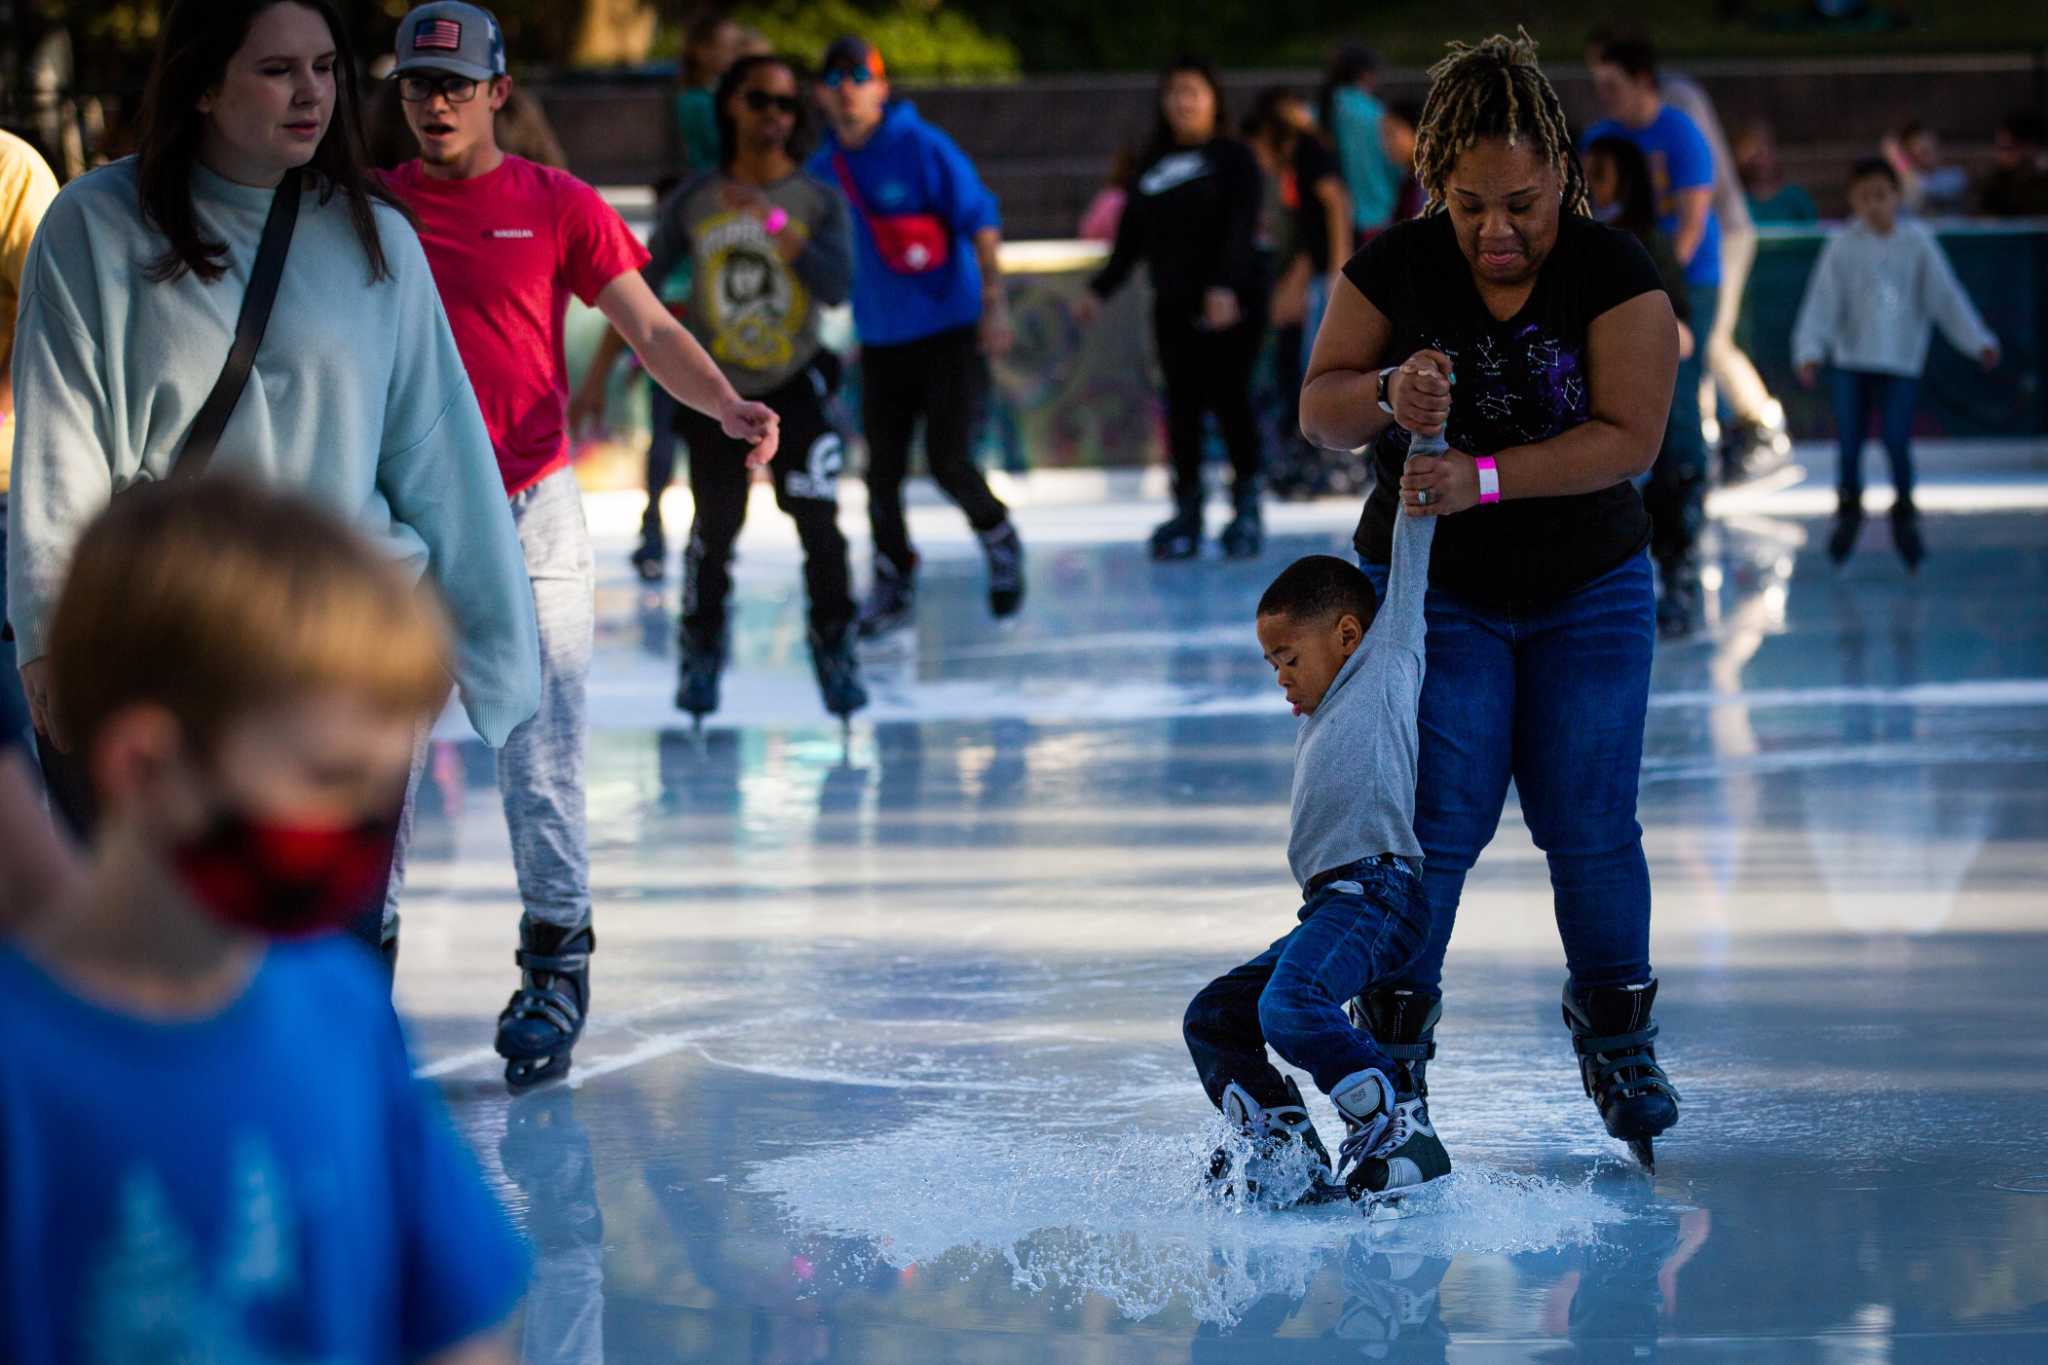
{"x": 886, "y": 1061}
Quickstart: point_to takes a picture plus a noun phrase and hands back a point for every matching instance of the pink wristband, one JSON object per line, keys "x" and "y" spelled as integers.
{"x": 1489, "y": 479}
{"x": 776, "y": 221}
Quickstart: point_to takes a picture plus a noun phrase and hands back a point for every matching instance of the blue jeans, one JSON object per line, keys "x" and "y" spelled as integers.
{"x": 1856, "y": 392}
{"x": 1362, "y": 924}
{"x": 1554, "y": 697}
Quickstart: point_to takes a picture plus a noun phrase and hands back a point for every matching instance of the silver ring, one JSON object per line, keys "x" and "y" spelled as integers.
{"x": 1422, "y": 498}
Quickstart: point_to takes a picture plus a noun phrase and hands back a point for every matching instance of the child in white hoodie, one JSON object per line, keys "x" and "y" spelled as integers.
{"x": 1876, "y": 294}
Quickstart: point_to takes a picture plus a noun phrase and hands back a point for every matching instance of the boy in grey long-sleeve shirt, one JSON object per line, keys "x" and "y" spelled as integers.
{"x": 1353, "y": 668}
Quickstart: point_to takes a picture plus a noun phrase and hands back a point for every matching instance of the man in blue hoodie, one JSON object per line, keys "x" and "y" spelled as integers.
{"x": 928, "y": 304}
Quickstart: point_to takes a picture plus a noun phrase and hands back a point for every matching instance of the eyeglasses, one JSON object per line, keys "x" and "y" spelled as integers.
{"x": 840, "y": 75}
{"x": 420, "y": 89}
{"x": 760, "y": 101}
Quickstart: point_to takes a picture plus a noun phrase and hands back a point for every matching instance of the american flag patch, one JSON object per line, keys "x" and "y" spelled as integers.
{"x": 443, "y": 35}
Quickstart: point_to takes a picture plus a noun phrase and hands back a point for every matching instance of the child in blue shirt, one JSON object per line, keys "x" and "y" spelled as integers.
{"x": 211, "y": 1143}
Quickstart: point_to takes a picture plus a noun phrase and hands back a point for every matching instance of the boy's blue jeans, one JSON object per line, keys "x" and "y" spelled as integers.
{"x": 1555, "y": 698}
{"x": 1856, "y": 392}
{"x": 1359, "y": 926}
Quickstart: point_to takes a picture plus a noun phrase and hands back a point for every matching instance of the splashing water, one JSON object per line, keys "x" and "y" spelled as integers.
{"x": 1131, "y": 1217}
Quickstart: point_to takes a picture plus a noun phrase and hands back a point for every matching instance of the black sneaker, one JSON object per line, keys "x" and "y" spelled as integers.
{"x": 1245, "y": 537}
{"x": 650, "y": 561}
{"x": 697, "y": 674}
{"x": 1179, "y": 538}
{"x": 1005, "y": 569}
{"x": 1906, "y": 535}
{"x": 892, "y": 602}
{"x": 838, "y": 672}
{"x": 1842, "y": 540}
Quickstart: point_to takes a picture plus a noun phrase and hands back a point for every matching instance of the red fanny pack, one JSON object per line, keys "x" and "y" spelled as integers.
{"x": 909, "y": 243}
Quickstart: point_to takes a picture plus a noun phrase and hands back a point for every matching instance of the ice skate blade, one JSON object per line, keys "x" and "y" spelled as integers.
{"x": 523, "y": 1074}
{"x": 1642, "y": 1150}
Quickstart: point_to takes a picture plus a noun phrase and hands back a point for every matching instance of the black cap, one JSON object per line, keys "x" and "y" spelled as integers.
{"x": 855, "y": 53}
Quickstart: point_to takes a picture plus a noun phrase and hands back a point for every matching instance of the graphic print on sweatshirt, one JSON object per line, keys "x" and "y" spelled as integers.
{"x": 1171, "y": 172}
{"x": 756, "y": 305}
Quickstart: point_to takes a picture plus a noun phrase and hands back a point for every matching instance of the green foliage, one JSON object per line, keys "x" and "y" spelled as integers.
{"x": 917, "y": 38}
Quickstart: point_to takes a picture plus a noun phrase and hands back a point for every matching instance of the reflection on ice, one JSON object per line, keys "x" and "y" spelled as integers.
{"x": 1128, "y": 1217}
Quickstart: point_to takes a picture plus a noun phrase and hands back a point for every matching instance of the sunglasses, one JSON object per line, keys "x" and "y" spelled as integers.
{"x": 420, "y": 89}
{"x": 840, "y": 75}
{"x": 760, "y": 101}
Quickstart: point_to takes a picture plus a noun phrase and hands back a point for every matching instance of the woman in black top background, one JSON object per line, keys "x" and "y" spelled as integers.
{"x": 1554, "y": 335}
{"x": 1192, "y": 220}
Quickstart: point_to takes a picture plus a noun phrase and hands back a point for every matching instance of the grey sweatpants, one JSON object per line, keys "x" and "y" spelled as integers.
{"x": 540, "y": 769}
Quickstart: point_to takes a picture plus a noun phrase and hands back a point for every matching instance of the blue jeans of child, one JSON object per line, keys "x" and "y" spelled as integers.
{"x": 1856, "y": 392}
{"x": 1360, "y": 926}
{"x": 1554, "y": 697}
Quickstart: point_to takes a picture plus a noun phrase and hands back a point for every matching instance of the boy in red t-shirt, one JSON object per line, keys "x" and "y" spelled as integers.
{"x": 508, "y": 242}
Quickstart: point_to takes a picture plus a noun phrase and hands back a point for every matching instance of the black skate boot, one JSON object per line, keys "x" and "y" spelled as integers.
{"x": 545, "y": 1016}
{"x": 1245, "y": 537}
{"x": 1287, "y": 1163}
{"x": 650, "y": 561}
{"x": 1005, "y": 569}
{"x": 1680, "y": 598}
{"x": 702, "y": 660}
{"x": 838, "y": 672}
{"x": 1906, "y": 534}
{"x": 1848, "y": 525}
{"x": 1612, "y": 1030}
{"x": 1180, "y": 537}
{"x": 1403, "y": 1023}
{"x": 893, "y": 600}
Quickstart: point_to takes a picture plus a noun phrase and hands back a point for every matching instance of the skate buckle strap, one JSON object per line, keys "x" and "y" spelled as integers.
{"x": 1615, "y": 1042}
{"x": 1410, "y": 1052}
{"x": 552, "y": 962}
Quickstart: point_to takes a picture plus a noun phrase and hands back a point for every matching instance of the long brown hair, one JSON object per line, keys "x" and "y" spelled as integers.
{"x": 192, "y": 53}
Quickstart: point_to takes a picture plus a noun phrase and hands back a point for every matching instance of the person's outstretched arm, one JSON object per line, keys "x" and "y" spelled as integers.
{"x": 1953, "y": 311}
{"x": 1400, "y": 619}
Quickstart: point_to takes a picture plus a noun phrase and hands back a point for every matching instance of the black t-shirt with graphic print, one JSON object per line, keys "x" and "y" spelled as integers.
{"x": 1518, "y": 382}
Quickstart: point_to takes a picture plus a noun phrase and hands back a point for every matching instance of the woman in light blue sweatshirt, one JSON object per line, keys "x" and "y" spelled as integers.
{"x": 357, "y": 399}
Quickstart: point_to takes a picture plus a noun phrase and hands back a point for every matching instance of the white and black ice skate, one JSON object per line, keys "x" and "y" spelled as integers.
{"x": 1281, "y": 1162}
{"x": 1389, "y": 1147}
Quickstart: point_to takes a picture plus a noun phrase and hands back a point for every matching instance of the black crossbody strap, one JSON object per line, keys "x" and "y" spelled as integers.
{"x": 249, "y": 327}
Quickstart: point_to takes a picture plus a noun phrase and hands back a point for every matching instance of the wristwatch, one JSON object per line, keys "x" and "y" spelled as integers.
{"x": 1381, "y": 387}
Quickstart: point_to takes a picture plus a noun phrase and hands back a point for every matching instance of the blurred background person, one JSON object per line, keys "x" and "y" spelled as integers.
{"x": 1397, "y": 139}
{"x": 1350, "y": 114}
{"x": 1682, "y": 169}
{"x": 1619, "y": 186}
{"x": 2017, "y": 184}
{"x": 1771, "y": 197}
{"x": 1192, "y": 222}
{"x": 1880, "y": 288}
{"x": 1754, "y": 441}
{"x": 1311, "y": 236}
{"x": 929, "y": 306}
{"x": 1928, "y": 185}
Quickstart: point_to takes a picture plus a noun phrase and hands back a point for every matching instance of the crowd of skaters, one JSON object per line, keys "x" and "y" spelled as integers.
{"x": 224, "y": 753}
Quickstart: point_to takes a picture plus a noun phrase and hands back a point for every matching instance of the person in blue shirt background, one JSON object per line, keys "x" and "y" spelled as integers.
{"x": 928, "y": 311}
{"x": 212, "y": 1146}
{"x": 1625, "y": 80}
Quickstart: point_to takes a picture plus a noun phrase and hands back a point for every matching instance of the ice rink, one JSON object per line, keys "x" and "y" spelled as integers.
{"x": 885, "y": 1062}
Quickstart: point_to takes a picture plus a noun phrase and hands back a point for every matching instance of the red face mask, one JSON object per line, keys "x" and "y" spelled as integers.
{"x": 286, "y": 882}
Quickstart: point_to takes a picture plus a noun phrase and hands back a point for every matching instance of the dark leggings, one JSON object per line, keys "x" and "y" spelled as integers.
{"x": 1209, "y": 372}
{"x": 806, "y": 472}
{"x": 936, "y": 378}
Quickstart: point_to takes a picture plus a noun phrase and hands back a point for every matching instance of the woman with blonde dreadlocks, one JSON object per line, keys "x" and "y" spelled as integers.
{"x": 1541, "y": 345}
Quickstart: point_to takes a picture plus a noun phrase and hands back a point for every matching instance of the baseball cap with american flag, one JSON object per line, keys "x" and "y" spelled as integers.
{"x": 453, "y": 37}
